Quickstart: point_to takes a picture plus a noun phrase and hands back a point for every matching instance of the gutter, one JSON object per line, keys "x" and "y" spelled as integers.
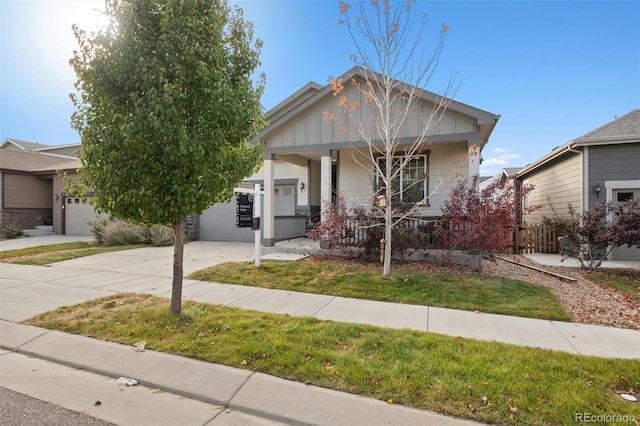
{"x": 568, "y": 147}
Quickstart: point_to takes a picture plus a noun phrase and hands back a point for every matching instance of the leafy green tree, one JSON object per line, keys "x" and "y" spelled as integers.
{"x": 167, "y": 111}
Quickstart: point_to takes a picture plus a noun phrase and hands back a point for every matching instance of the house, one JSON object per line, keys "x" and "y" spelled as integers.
{"x": 504, "y": 175}
{"x": 307, "y": 160}
{"x": 32, "y": 192}
{"x": 602, "y": 165}
{"x": 27, "y": 187}
{"x": 70, "y": 150}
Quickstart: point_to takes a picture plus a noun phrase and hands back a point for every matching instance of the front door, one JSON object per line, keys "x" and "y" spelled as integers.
{"x": 625, "y": 252}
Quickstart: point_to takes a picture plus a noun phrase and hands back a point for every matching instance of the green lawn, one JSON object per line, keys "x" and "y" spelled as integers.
{"x": 483, "y": 381}
{"x": 46, "y": 255}
{"x": 455, "y": 290}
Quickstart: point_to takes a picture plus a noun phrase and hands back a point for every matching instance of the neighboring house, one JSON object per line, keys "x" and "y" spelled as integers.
{"x": 602, "y": 165}
{"x": 307, "y": 161}
{"x": 70, "y": 150}
{"x": 27, "y": 187}
{"x": 33, "y": 194}
{"x": 505, "y": 174}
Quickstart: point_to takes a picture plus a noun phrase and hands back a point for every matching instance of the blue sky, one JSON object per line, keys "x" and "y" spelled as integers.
{"x": 553, "y": 70}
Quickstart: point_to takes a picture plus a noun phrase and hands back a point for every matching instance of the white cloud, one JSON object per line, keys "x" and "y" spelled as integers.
{"x": 494, "y": 162}
{"x": 494, "y": 165}
{"x": 509, "y": 157}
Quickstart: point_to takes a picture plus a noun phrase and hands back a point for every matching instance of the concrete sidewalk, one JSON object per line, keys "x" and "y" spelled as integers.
{"x": 217, "y": 394}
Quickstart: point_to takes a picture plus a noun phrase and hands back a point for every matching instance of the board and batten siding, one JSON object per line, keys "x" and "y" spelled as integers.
{"x": 311, "y": 128}
{"x": 559, "y": 181}
{"x": 619, "y": 162}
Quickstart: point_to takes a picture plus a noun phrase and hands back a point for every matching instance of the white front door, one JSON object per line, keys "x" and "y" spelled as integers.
{"x": 625, "y": 252}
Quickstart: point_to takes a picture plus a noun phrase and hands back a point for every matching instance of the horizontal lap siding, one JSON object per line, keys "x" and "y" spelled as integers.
{"x": 355, "y": 183}
{"x": 556, "y": 185}
{"x": 446, "y": 164}
{"x": 612, "y": 162}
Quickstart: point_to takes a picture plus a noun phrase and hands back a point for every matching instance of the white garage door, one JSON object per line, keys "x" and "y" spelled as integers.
{"x": 218, "y": 223}
{"x": 77, "y": 215}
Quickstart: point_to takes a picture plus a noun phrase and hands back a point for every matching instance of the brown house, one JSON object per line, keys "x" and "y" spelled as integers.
{"x": 28, "y": 183}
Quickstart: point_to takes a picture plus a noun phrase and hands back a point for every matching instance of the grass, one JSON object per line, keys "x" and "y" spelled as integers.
{"x": 625, "y": 280}
{"x": 46, "y": 255}
{"x": 471, "y": 292}
{"x": 483, "y": 381}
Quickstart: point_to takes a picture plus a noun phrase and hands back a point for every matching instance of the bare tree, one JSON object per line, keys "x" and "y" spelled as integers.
{"x": 395, "y": 69}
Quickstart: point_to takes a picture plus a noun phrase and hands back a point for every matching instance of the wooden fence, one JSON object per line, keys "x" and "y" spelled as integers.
{"x": 530, "y": 238}
{"x": 537, "y": 238}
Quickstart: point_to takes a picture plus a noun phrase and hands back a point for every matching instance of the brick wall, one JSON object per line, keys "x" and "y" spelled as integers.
{"x": 26, "y": 219}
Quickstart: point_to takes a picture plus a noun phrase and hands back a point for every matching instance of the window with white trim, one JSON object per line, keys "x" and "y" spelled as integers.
{"x": 411, "y": 185}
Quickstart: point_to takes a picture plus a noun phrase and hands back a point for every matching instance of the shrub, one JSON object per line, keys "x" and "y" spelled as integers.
{"x": 335, "y": 229}
{"x": 593, "y": 235}
{"x": 96, "y": 229}
{"x": 484, "y": 220}
{"x": 404, "y": 234}
{"x": 120, "y": 233}
{"x": 116, "y": 232}
{"x": 158, "y": 235}
{"x": 10, "y": 231}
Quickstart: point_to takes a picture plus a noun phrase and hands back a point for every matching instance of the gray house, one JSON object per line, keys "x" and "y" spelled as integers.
{"x": 602, "y": 165}
{"x": 307, "y": 160}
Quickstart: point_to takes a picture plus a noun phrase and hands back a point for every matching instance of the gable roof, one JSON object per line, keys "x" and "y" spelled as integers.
{"x": 620, "y": 129}
{"x": 625, "y": 129}
{"x": 296, "y": 98}
{"x": 22, "y": 161}
{"x": 16, "y": 144}
{"x": 312, "y": 93}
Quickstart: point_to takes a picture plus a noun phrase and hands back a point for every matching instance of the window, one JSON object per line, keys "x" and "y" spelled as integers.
{"x": 624, "y": 196}
{"x": 411, "y": 185}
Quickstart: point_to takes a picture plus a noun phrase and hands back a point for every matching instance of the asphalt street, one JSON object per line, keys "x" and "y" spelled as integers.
{"x": 17, "y": 409}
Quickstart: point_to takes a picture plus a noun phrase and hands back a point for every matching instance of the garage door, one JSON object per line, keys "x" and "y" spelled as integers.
{"x": 218, "y": 223}
{"x": 78, "y": 213}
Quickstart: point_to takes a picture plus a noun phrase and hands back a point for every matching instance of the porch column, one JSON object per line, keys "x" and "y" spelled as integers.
{"x": 268, "y": 234}
{"x": 325, "y": 180}
{"x": 473, "y": 146}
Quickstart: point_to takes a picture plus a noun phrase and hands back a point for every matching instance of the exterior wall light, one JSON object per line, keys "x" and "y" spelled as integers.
{"x": 597, "y": 189}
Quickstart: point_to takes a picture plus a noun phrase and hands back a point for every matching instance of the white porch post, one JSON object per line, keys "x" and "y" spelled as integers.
{"x": 268, "y": 236}
{"x": 325, "y": 181}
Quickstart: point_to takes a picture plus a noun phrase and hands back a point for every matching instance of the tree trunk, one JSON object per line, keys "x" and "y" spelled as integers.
{"x": 178, "y": 252}
{"x": 387, "y": 236}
